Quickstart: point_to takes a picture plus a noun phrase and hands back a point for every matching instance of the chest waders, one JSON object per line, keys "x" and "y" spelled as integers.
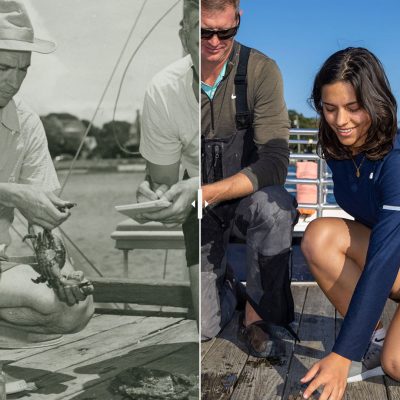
{"x": 225, "y": 157}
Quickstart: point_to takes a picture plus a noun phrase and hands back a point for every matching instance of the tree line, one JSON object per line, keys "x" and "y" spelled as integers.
{"x": 65, "y": 131}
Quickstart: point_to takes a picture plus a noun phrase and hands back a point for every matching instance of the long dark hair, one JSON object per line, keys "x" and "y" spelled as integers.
{"x": 362, "y": 69}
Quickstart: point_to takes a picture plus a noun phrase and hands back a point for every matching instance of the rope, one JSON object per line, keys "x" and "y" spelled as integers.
{"x": 102, "y": 97}
{"x": 20, "y": 235}
{"x": 18, "y": 216}
{"x": 23, "y": 222}
{"x": 80, "y": 252}
{"x": 122, "y": 148}
{"x": 114, "y": 112}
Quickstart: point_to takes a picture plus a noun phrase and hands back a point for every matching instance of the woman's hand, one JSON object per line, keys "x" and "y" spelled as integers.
{"x": 331, "y": 373}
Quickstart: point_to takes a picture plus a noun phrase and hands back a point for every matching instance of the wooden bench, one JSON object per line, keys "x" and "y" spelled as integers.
{"x": 130, "y": 235}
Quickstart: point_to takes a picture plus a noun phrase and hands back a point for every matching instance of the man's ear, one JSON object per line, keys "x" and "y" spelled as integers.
{"x": 183, "y": 38}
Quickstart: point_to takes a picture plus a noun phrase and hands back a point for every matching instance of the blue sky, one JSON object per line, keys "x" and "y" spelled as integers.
{"x": 300, "y": 35}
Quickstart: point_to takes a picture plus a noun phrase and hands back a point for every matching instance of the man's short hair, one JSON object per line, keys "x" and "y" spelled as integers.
{"x": 189, "y": 6}
{"x": 219, "y": 5}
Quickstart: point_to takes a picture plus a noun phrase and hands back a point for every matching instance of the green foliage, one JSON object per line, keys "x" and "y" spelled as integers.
{"x": 298, "y": 120}
{"x": 65, "y": 132}
{"x": 303, "y": 122}
{"x": 107, "y": 137}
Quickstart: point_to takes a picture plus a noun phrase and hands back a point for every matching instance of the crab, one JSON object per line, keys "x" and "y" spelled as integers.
{"x": 51, "y": 256}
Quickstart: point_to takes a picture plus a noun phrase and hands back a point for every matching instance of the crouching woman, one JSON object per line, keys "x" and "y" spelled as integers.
{"x": 356, "y": 263}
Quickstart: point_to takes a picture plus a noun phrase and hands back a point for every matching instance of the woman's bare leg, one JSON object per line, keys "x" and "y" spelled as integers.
{"x": 335, "y": 250}
{"x": 390, "y": 357}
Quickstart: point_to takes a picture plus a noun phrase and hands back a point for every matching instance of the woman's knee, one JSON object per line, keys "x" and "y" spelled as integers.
{"x": 317, "y": 239}
{"x": 391, "y": 366}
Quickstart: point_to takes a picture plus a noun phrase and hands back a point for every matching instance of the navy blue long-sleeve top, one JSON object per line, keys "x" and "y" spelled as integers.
{"x": 373, "y": 199}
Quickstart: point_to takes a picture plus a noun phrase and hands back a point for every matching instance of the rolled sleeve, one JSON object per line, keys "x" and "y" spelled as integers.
{"x": 158, "y": 141}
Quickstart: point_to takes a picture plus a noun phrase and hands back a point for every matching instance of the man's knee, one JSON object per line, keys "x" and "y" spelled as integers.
{"x": 70, "y": 319}
{"x": 267, "y": 217}
{"x": 57, "y": 317}
{"x": 40, "y": 303}
{"x": 273, "y": 203}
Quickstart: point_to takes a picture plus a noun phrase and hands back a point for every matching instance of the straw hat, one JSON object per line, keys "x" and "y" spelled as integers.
{"x": 16, "y": 31}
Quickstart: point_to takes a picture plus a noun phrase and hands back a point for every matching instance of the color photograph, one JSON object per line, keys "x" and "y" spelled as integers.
{"x": 299, "y": 248}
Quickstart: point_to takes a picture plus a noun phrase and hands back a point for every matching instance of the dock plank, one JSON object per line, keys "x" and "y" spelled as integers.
{"x": 223, "y": 364}
{"x": 316, "y": 332}
{"x": 371, "y": 389}
{"x": 174, "y": 349}
{"x": 374, "y": 388}
{"x": 230, "y": 375}
{"x": 107, "y": 391}
{"x": 98, "y": 323}
{"x": 252, "y": 383}
{"x": 47, "y": 362}
{"x": 205, "y": 346}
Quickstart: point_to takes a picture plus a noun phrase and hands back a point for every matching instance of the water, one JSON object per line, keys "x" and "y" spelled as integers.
{"x": 94, "y": 219}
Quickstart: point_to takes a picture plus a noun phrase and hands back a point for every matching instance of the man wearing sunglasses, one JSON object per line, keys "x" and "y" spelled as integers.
{"x": 245, "y": 131}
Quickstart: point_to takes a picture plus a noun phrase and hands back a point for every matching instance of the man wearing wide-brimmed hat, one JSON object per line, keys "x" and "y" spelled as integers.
{"x": 28, "y": 181}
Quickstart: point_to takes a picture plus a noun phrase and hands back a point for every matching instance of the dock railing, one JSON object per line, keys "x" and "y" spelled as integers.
{"x": 306, "y": 140}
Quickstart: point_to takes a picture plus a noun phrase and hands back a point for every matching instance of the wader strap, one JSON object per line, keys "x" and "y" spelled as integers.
{"x": 242, "y": 111}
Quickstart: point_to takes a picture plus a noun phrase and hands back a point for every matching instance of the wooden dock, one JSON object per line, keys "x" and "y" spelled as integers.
{"x": 84, "y": 365}
{"x": 228, "y": 372}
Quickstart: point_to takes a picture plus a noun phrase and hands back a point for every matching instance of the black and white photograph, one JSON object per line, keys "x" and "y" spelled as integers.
{"x": 99, "y": 175}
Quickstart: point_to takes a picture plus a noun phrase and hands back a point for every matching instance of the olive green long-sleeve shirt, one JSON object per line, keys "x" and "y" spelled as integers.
{"x": 270, "y": 123}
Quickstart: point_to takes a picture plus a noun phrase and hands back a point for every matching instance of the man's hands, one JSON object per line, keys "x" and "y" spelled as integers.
{"x": 331, "y": 373}
{"x": 145, "y": 193}
{"x": 74, "y": 288}
{"x": 181, "y": 195}
{"x": 37, "y": 206}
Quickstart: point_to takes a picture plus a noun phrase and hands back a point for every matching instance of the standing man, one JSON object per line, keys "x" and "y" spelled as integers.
{"x": 28, "y": 311}
{"x": 245, "y": 132}
{"x": 170, "y": 140}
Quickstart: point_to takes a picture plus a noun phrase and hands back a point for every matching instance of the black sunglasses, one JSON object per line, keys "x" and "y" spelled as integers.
{"x": 223, "y": 34}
